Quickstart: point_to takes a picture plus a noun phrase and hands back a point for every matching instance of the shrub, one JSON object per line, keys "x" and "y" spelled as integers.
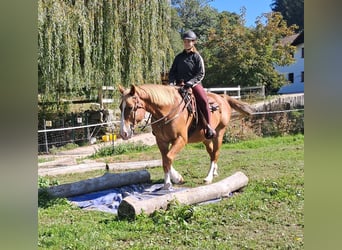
{"x": 260, "y": 125}
{"x": 120, "y": 149}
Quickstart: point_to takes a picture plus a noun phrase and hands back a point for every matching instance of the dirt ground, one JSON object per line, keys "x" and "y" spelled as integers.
{"x": 66, "y": 161}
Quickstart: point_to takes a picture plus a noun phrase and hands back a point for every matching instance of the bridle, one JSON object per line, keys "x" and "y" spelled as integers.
{"x": 138, "y": 105}
{"x": 134, "y": 109}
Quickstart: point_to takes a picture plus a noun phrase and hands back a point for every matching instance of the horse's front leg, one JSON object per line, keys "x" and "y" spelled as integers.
{"x": 168, "y": 155}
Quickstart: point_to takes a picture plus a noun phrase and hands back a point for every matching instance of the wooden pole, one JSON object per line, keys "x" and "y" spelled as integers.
{"x": 104, "y": 182}
{"x": 46, "y": 140}
{"x": 131, "y": 206}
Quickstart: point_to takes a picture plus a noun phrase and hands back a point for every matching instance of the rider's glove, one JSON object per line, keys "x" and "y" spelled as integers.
{"x": 188, "y": 85}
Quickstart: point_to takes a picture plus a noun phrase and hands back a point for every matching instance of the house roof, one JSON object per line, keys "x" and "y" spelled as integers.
{"x": 292, "y": 88}
{"x": 294, "y": 39}
{"x": 299, "y": 39}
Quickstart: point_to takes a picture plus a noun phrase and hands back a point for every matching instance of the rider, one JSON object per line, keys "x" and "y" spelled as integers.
{"x": 188, "y": 70}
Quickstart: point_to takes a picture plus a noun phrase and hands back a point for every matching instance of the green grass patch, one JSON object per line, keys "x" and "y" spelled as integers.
{"x": 124, "y": 148}
{"x": 68, "y": 146}
{"x": 42, "y": 160}
{"x": 267, "y": 214}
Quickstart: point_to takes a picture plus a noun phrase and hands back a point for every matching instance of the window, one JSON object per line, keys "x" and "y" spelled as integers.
{"x": 302, "y": 76}
{"x": 302, "y": 52}
{"x": 290, "y": 77}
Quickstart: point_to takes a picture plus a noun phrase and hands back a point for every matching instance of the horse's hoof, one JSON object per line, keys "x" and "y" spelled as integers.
{"x": 178, "y": 180}
{"x": 167, "y": 186}
{"x": 207, "y": 181}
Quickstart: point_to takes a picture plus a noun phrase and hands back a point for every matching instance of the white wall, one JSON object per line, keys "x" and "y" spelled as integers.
{"x": 296, "y": 68}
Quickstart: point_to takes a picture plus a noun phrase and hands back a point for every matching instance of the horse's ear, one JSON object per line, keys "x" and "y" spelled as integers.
{"x": 121, "y": 89}
{"x": 132, "y": 91}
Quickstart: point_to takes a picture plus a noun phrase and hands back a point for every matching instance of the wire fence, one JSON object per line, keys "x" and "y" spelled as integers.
{"x": 56, "y": 130}
{"x": 49, "y": 138}
{"x": 261, "y": 123}
{"x": 279, "y": 116}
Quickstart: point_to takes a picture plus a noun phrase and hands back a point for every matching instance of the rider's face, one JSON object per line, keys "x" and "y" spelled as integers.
{"x": 188, "y": 44}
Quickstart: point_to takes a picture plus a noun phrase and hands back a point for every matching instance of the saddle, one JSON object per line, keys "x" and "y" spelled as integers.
{"x": 190, "y": 104}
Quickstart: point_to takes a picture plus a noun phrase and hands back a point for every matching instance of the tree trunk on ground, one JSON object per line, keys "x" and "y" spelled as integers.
{"x": 104, "y": 182}
{"x": 131, "y": 206}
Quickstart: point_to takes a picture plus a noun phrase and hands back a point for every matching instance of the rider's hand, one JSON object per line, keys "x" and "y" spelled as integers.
{"x": 188, "y": 85}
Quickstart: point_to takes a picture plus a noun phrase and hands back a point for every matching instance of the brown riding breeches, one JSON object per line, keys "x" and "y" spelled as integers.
{"x": 202, "y": 101}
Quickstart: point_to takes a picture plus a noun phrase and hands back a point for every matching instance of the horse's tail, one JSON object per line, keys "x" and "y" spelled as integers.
{"x": 239, "y": 106}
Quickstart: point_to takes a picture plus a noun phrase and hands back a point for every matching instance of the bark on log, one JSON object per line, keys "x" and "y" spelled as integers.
{"x": 104, "y": 182}
{"x": 131, "y": 206}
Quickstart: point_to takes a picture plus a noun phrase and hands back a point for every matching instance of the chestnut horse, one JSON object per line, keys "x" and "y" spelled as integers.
{"x": 171, "y": 120}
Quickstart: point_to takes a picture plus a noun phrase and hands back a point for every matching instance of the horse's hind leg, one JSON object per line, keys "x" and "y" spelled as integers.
{"x": 212, "y": 172}
{"x": 213, "y": 149}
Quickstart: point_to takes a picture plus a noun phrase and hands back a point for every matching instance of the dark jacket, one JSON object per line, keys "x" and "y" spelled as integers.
{"x": 187, "y": 67}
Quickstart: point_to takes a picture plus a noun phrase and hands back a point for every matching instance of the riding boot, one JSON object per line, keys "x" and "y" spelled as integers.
{"x": 210, "y": 132}
{"x": 201, "y": 99}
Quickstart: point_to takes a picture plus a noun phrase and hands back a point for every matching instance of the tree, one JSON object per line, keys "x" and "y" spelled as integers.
{"x": 292, "y": 11}
{"x": 195, "y": 15}
{"x": 83, "y": 45}
{"x": 236, "y": 55}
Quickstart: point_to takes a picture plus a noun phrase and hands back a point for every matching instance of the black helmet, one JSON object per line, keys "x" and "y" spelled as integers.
{"x": 189, "y": 35}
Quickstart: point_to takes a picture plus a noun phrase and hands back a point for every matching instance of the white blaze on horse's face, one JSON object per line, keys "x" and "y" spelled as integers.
{"x": 126, "y": 131}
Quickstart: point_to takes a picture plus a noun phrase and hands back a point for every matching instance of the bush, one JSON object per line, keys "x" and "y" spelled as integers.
{"x": 120, "y": 149}
{"x": 273, "y": 124}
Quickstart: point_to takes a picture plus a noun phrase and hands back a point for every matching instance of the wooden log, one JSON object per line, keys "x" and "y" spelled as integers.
{"x": 131, "y": 206}
{"x": 104, "y": 182}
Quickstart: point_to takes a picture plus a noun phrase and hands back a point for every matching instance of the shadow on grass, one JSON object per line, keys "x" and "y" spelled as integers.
{"x": 45, "y": 200}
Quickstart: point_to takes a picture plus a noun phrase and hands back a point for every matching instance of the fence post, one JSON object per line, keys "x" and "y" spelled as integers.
{"x": 87, "y": 129}
{"x": 239, "y": 93}
{"x": 45, "y": 135}
{"x": 73, "y": 125}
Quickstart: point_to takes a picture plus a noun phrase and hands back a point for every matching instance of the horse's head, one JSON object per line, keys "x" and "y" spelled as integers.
{"x": 132, "y": 111}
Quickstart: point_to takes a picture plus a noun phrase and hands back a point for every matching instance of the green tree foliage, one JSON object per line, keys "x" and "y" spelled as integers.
{"x": 83, "y": 45}
{"x": 236, "y": 55}
{"x": 292, "y": 11}
{"x": 196, "y": 15}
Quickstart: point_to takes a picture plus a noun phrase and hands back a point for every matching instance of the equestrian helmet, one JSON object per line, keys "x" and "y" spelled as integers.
{"x": 189, "y": 35}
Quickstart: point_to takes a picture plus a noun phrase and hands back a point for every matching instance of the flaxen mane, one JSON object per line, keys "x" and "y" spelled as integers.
{"x": 159, "y": 94}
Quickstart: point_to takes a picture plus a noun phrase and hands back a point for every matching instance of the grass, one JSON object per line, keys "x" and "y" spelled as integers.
{"x": 267, "y": 214}
{"x": 55, "y": 150}
{"x": 127, "y": 149}
{"x": 42, "y": 160}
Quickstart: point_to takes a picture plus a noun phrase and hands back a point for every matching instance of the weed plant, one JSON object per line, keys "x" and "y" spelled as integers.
{"x": 119, "y": 149}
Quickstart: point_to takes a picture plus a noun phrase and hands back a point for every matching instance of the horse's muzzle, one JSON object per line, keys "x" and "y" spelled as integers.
{"x": 126, "y": 133}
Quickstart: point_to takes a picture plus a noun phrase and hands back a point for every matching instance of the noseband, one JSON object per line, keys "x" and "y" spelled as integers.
{"x": 137, "y": 105}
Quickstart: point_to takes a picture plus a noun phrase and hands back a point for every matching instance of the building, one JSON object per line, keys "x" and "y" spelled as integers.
{"x": 294, "y": 73}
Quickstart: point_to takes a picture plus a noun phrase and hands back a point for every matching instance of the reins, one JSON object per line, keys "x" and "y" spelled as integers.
{"x": 168, "y": 114}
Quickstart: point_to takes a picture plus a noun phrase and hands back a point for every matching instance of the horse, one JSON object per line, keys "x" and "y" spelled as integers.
{"x": 171, "y": 121}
